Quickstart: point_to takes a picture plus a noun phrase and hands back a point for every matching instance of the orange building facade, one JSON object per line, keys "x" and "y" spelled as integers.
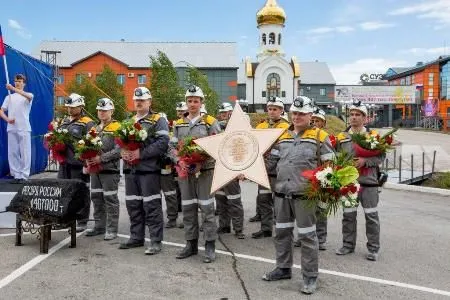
{"x": 432, "y": 86}
{"x": 93, "y": 65}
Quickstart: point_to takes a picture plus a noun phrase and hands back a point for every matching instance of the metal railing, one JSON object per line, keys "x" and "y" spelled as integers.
{"x": 394, "y": 164}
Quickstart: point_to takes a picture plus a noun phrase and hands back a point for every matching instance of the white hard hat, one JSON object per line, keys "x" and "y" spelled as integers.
{"x": 275, "y": 101}
{"x": 74, "y": 100}
{"x": 285, "y": 116}
{"x": 359, "y": 107}
{"x": 181, "y": 106}
{"x": 224, "y": 107}
{"x": 302, "y": 104}
{"x": 104, "y": 104}
{"x": 203, "y": 109}
{"x": 319, "y": 113}
{"x": 194, "y": 91}
{"x": 142, "y": 93}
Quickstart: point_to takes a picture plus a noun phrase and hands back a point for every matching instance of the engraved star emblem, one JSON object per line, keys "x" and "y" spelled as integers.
{"x": 239, "y": 150}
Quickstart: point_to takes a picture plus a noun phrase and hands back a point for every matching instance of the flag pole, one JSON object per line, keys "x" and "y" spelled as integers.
{"x": 5, "y": 64}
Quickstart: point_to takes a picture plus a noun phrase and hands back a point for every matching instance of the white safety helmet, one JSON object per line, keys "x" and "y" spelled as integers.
{"x": 225, "y": 107}
{"x": 275, "y": 101}
{"x": 104, "y": 104}
{"x": 319, "y": 113}
{"x": 194, "y": 91}
{"x": 181, "y": 106}
{"x": 142, "y": 93}
{"x": 203, "y": 109}
{"x": 74, "y": 100}
{"x": 285, "y": 116}
{"x": 359, "y": 107}
{"x": 302, "y": 104}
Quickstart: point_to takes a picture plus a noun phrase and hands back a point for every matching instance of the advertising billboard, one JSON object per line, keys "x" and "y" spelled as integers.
{"x": 388, "y": 94}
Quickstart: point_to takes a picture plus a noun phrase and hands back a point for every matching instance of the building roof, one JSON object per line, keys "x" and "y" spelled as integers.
{"x": 311, "y": 72}
{"x": 136, "y": 54}
{"x": 399, "y": 70}
{"x": 315, "y": 72}
{"x": 419, "y": 67}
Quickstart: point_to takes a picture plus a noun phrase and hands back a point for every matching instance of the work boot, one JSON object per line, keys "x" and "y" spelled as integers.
{"x": 181, "y": 225}
{"x": 309, "y": 285}
{"x": 222, "y": 230}
{"x": 278, "y": 274}
{"x": 171, "y": 224}
{"x": 322, "y": 246}
{"x": 110, "y": 236}
{"x": 261, "y": 234}
{"x": 298, "y": 243}
{"x": 94, "y": 232}
{"x": 373, "y": 256}
{"x": 344, "y": 251}
{"x": 154, "y": 248}
{"x": 210, "y": 251}
{"x": 239, "y": 235}
{"x": 190, "y": 249}
{"x": 255, "y": 218}
{"x": 131, "y": 244}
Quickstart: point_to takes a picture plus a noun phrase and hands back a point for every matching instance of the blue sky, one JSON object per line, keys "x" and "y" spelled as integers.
{"x": 353, "y": 37}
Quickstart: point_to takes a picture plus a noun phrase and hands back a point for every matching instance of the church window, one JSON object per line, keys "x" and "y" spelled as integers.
{"x": 264, "y": 39}
{"x": 273, "y": 85}
{"x": 272, "y": 38}
{"x": 279, "y": 39}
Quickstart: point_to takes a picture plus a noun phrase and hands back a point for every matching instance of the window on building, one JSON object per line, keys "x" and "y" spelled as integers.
{"x": 279, "y": 39}
{"x": 308, "y": 88}
{"x": 301, "y": 92}
{"x": 408, "y": 80}
{"x": 79, "y": 78}
{"x": 323, "y": 92}
{"x": 121, "y": 79}
{"x": 60, "y": 100}
{"x": 430, "y": 78}
{"x": 272, "y": 38}
{"x": 430, "y": 92}
{"x": 283, "y": 94}
{"x": 273, "y": 85}
{"x": 142, "y": 79}
{"x": 60, "y": 79}
{"x": 413, "y": 79}
{"x": 402, "y": 81}
{"x": 263, "y": 38}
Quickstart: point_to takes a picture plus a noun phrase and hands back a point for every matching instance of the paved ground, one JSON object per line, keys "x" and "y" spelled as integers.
{"x": 414, "y": 262}
{"x": 418, "y": 142}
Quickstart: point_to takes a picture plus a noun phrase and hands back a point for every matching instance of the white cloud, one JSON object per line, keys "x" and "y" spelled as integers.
{"x": 20, "y": 30}
{"x": 437, "y": 10}
{"x": 243, "y": 37}
{"x": 349, "y": 73}
{"x": 344, "y": 29}
{"x": 375, "y": 25}
{"x": 14, "y": 24}
{"x": 325, "y": 30}
{"x": 424, "y": 51}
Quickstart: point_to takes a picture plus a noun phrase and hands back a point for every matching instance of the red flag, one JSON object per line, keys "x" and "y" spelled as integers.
{"x": 2, "y": 47}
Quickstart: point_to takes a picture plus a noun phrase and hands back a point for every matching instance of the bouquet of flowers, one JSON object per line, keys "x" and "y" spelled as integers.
{"x": 372, "y": 144}
{"x": 56, "y": 139}
{"x": 130, "y": 136}
{"x": 89, "y": 147}
{"x": 333, "y": 185}
{"x": 191, "y": 154}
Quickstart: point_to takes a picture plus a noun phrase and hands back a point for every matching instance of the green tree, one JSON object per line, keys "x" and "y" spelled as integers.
{"x": 195, "y": 77}
{"x": 166, "y": 91}
{"x": 105, "y": 85}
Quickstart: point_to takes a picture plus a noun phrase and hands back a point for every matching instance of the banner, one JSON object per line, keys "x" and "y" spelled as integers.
{"x": 58, "y": 198}
{"x": 376, "y": 94}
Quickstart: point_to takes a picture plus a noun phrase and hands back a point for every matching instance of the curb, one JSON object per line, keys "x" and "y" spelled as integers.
{"x": 415, "y": 188}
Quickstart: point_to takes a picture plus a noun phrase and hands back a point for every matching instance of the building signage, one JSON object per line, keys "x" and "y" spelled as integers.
{"x": 376, "y": 94}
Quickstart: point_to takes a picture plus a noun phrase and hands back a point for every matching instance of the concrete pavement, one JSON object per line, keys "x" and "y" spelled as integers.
{"x": 413, "y": 262}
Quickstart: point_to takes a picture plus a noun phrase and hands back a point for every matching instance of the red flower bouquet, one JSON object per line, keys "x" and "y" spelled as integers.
{"x": 333, "y": 185}
{"x": 56, "y": 139}
{"x": 191, "y": 154}
{"x": 89, "y": 147}
{"x": 130, "y": 136}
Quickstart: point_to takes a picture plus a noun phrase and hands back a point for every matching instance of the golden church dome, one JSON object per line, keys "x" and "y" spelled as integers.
{"x": 271, "y": 13}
